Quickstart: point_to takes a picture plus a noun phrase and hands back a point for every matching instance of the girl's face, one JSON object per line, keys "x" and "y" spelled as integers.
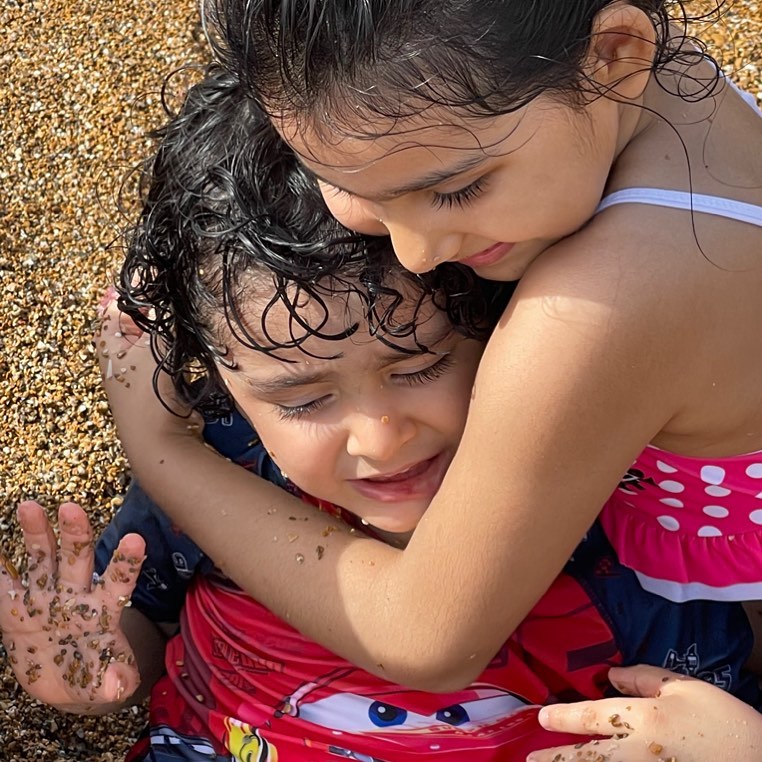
{"x": 491, "y": 193}
{"x": 373, "y": 429}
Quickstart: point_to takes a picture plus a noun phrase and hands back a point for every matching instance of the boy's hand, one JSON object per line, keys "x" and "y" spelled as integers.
{"x": 60, "y": 627}
{"x": 674, "y": 718}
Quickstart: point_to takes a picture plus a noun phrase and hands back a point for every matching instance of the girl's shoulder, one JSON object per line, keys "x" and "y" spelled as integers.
{"x": 646, "y": 279}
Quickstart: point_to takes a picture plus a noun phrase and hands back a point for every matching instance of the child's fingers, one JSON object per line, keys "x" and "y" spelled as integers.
{"x": 40, "y": 542}
{"x": 76, "y": 554}
{"x": 11, "y": 595}
{"x": 593, "y": 751}
{"x": 114, "y": 321}
{"x": 119, "y": 578}
{"x": 604, "y": 717}
{"x": 120, "y": 681}
{"x": 642, "y": 680}
{"x": 109, "y": 297}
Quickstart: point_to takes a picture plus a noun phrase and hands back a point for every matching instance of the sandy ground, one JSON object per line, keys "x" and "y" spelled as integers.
{"x": 79, "y": 87}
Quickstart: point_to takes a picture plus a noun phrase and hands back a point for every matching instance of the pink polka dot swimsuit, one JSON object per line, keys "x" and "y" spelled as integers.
{"x": 691, "y": 528}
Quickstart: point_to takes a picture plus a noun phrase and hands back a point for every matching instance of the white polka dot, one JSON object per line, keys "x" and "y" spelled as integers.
{"x": 759, "y": 495}
{"x": 709, "y": 532}
{"x": 756, "y": 516}
{"x": 672, "y": 502}
{"x": 665, "y": 467}
{"x": 670, "y": 486}
{"x": 754, "y": 471}
{"x": 715, "y": 491}
{"x": 669, "y": 522}
{"x": 716, "y": 511}
{"x": 434, "y": 746}
{"x": 712, "y": 474}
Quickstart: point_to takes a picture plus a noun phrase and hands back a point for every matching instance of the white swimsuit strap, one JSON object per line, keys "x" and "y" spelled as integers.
{"x": 695, "y": 202}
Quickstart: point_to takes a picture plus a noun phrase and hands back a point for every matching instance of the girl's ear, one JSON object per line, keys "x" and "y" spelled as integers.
{"x": 621, "y": 52}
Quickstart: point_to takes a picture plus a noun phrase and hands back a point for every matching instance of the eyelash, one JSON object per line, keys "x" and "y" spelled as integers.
{"x": 462, "y": 197}
{"x": 300, "y": 411}
{"x": 432, "y": 373}
{"x": 425, "y": 376}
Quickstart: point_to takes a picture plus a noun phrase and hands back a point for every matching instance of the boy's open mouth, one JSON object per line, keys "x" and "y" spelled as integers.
{"x": 418, "y": 481}
{"x": 407, "y": 473}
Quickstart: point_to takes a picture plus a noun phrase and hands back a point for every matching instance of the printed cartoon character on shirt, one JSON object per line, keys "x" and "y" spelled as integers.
{"x": 342, "y": 710}
{"x": 247, "y": 745}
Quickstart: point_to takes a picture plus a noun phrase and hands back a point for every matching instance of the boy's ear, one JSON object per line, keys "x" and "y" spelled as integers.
{"x": 621, "y": 52}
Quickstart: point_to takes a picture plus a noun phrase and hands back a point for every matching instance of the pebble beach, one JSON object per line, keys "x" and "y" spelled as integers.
{"x": 80, "y": 88}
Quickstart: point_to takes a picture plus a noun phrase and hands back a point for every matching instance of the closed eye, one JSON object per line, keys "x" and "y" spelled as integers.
{"x": 294, "y": 412}
{"x": 462, "y": 197}
{"x": 433, "y": 372}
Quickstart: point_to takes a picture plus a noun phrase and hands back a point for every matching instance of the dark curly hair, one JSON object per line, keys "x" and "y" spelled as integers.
{"x": 326, "y": 61}
{"x": 228, "y": 213}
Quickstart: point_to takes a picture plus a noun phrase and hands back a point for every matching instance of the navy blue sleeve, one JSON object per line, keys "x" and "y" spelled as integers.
{"x": 172, "y": 558}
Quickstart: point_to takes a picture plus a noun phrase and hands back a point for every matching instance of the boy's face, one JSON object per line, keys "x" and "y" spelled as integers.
{"x": 373, "y": 429}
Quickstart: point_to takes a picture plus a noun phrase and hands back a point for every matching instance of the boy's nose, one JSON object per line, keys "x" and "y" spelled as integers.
{"x": 379, "y": 437}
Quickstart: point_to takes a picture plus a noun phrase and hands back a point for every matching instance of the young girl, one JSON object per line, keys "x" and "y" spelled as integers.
{"x": 592, "y": 150}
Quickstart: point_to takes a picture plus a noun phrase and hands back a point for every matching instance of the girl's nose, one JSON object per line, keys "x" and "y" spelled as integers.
{"x": 379, "y": 437}
{"x": 420, "y": 249}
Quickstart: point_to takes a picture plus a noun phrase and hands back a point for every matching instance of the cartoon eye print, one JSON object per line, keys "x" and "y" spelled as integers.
{"x": 350, "y": 713}
{"x": 483, "y": 710}
{"x": 359, "y": 714}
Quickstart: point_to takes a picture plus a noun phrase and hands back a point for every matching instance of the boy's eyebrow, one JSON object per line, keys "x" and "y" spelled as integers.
{"x": 286, "y": 382}
{"x": 421, "y": 183}
{"x": 292, "y": 381}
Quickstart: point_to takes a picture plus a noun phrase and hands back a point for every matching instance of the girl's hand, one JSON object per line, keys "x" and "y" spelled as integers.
{"x": 128, "y": 369}
{"x": 60, "y": 627}
{"x": 676, "y": 719}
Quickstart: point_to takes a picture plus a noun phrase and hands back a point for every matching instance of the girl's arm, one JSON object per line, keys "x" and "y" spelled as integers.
{"x": 569, "y": 391}
{"x": 678, "y": 718}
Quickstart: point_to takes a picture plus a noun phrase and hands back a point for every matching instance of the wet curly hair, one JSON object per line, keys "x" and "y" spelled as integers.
{"x": 326, "y": 61}
{"x": 229, "y": 214}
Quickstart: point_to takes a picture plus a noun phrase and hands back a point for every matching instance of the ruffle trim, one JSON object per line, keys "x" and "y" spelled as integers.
{"x": 683, "y": 567}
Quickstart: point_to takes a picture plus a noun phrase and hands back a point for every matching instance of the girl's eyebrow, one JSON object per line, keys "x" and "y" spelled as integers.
{"x": 422, "y": 183}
